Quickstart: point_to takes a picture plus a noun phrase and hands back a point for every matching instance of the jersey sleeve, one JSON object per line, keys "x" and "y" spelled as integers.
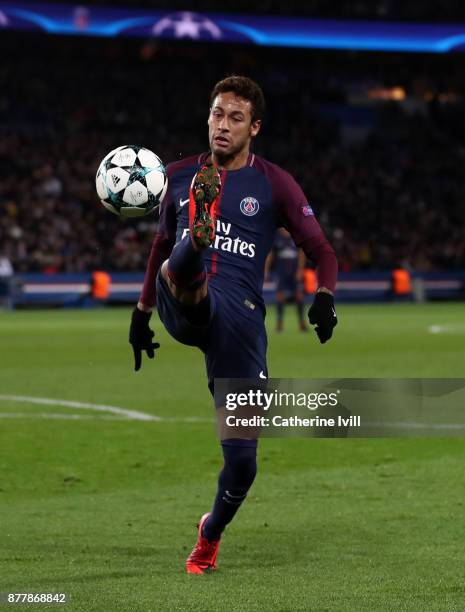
{"x": 297, "y": 216}
{"x": 162, "y": 246}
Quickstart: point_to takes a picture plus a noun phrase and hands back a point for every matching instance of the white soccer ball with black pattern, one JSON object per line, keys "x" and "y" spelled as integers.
{"x": 131, "y": 181}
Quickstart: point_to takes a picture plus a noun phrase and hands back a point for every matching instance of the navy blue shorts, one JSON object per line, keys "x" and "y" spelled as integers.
{"x": 234, "y": 340}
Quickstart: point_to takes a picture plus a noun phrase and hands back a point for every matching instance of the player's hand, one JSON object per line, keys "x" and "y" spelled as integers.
{"x": 323, "y": 315}
{"x": 140, "y": 336}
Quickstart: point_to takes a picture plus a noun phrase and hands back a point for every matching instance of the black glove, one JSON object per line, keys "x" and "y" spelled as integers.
{"x": 323, "y": 315}
{"x": 140, "y": 336}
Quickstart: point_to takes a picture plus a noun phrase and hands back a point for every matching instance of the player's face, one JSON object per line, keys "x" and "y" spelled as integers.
{"x": 230, "y": 125}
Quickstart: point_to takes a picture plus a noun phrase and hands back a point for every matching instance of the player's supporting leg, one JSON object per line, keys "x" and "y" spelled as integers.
{"x": 235, "y": 480}
{"x": 280, "y": 301}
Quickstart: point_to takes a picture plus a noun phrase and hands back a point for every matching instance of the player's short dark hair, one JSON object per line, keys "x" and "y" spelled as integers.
{"x": 245, "y": 88}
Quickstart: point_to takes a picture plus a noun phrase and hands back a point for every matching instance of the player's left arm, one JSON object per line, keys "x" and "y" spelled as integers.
{"x": 299, "y": 219}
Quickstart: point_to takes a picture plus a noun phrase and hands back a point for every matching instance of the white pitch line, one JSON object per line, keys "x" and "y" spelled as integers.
{"x": 122, "y": 413}
{"x": 414, "y": 425}
{"x": 46, "y": 401}
{"x": 452, "y": 328}
{"x": 192, "y": 419}
{"x": 92, "y": 417}
{"x": 56, "y": 415}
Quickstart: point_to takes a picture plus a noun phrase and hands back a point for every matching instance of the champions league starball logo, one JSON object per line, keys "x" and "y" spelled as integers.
{"x": 249, "y": 206}
{"x": 186, "y": 24}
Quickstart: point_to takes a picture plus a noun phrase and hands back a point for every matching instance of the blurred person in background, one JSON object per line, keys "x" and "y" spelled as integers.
{"x": 6, "y": 280}
{"x": 289, "y": 263}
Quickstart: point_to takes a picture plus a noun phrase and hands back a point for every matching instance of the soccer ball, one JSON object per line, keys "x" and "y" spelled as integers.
{"x": 131, "y": 181}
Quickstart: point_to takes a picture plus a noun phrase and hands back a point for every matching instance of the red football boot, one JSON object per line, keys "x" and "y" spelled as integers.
{"x": 203, "y": 557}
{"x": 203, "y": 200}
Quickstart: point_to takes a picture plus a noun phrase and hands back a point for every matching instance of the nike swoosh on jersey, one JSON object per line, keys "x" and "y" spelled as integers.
{"x": 183, "y": 202}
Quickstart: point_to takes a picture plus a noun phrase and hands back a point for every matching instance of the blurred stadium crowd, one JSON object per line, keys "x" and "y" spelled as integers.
{"x": 413, "y": 10}
{"x": 376, "y": 141}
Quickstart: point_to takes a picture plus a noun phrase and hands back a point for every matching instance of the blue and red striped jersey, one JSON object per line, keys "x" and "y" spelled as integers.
{"x": 255, "y": 200}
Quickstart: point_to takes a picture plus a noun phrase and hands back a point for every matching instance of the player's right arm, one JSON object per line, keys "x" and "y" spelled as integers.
{"x": 140, "y": 334}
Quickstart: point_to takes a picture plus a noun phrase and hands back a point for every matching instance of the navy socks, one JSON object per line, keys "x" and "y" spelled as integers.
{"x": 236, "y": 478}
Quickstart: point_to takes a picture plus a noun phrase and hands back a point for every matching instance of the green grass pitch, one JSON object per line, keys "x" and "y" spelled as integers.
{"x": 104, "y": 509}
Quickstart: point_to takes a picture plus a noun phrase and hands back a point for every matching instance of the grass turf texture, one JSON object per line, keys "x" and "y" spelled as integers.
{"x": 105, "y": 510}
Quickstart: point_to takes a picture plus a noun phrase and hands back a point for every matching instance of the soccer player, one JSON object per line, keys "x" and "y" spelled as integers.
{"x": 289, "y": 263}
{"x": 205, "y": 273}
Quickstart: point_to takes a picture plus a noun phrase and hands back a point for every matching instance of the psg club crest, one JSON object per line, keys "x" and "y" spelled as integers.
{"x": 249, "y": 206}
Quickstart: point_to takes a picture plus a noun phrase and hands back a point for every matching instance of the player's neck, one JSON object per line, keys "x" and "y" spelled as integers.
{"x": 232, "y": 163}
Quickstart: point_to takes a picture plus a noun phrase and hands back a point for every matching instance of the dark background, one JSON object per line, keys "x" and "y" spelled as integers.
{"x": 383, "y": 176}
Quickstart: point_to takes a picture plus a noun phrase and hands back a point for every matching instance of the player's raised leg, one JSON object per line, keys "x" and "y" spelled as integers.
{"x": 203, "y": 200}
{"x": 185, "y": 272}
